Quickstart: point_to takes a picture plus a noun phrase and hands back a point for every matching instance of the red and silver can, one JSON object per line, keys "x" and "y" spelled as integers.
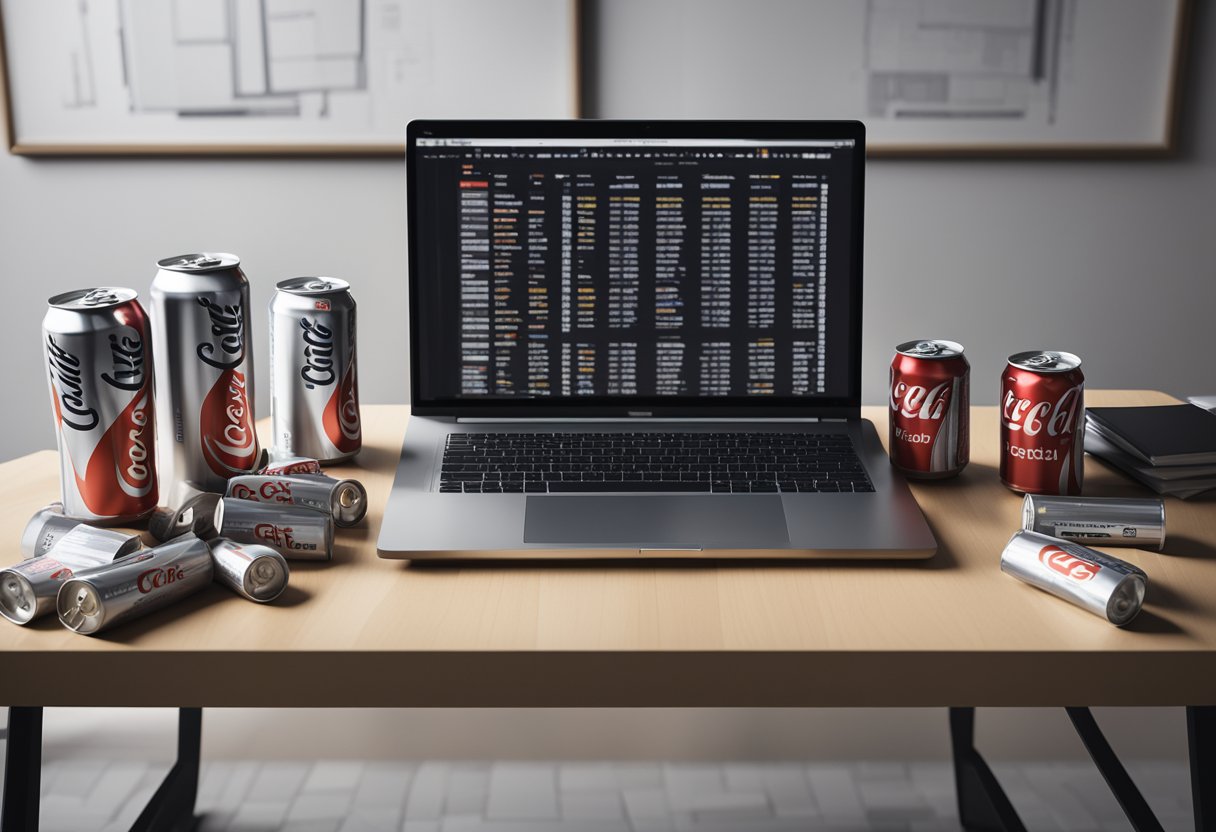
{"x": 930, "y": 399}
{"x": 28, "y": 589}
{"x": 295, "y": 533}
{"x": 258, "y": 573}
{"x": 99, "y": 368}
{"x": 200, "y": 328}
{"x": 314, "y": 387}
{"x": 287, "y": 465}
{"x": 1106, "y": 586}
{"x": 1043, "y": 423}
{"x": 343, "y": 500}
{"x": 135, "y": 586}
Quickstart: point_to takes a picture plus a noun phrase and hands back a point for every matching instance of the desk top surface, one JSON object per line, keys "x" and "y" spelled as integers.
{"x": 361, "y": 631}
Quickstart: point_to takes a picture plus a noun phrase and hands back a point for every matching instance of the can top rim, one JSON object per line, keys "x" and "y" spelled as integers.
{"x": 99, "y": 297}
{"x": 199, "y": 262}
{"x": 1045, "y": 361}
{"x": 319, "y": 285}
{"x": 930, "y": 348}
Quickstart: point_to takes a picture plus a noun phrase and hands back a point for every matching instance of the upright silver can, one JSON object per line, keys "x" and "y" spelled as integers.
{"x": 135, "y": 585}
{"x": 204, "y": 389}
{"x": 314, "y": 388}
{"x": 1106, "y": 586}
{"x": 99, "y": 371}
{"x": 1098, "y": 521}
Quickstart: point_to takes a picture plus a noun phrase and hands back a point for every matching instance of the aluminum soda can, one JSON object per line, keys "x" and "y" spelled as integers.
{"x": 1106, "y": 586}
{"x": 256, "y": 572}
{"x": 99, "y": 370}
{"x": 135, "y": 585}
{"x": 314, "y": 386}
{"x": 285, "y": 464}
{"x": 1098, "y": 521}
{"x": 930, "y": 399}
{"x": 205, "y": 390}
{"x": 343, "y": 500}
{"x": 49, "y": 525}
{"x": 295, "y": 533}
{"x": 1043, "y": 423}
{"x": 28, "y": 589}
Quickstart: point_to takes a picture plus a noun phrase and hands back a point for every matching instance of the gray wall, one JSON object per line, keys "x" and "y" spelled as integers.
{"x": 1113, "y": 260}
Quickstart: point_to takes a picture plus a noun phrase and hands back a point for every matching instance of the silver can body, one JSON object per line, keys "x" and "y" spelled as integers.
{"x": 49, "y": 526}
{"x": 1106, "y": 586}
{"x": 314, "y": 385}
{"x": 135, "y": 586}
{"x": 252, "y": 571}
{"x": 286, "y": 465}
{"x": 28, "y": 590}
{"x": 1098, "y": 521}
{"x": 205, "y": 390}
{"x": 343, "y": 500}
{"x": 98, "y": 354}
{"x": 295, "y": 533}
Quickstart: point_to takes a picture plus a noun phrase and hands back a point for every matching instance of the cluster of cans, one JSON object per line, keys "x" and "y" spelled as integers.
{"x": 1042, "y": 416}
{"x": 228, "y": 509}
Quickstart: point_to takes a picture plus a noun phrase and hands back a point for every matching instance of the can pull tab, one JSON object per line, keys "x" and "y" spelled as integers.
{"x": 1043, "y": 359}
{"x": 98, "y": 297}
{"x": 927, "y": 348}
{"x": 203, "y": 261}
{"x": 319, "y": 285}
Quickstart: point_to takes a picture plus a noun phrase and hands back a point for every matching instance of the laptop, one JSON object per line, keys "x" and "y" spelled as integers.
{"x": 640, "y": 339}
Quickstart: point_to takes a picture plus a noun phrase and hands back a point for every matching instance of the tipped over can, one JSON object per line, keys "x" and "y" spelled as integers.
{"x": 1098, "y": 521}
{"x": 49, "y": 525}
{"x": 295, "y": 533}
{"x": 256, "y": 572}
{"x": 1106, "y": 586}
{"x": 135, "y": 586}
{"x": 343, "y": 500}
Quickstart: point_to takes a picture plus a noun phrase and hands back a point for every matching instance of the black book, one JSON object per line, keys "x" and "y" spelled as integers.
{"x": 1181, "y": 434}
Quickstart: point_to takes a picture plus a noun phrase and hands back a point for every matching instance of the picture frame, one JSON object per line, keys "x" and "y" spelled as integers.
{"x": 271, "y": 77}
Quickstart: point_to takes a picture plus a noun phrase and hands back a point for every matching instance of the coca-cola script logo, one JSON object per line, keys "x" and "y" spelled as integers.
{"x": 318, "y": 369}
{"x": 1068, "y": 565}
{"x": 127, "y": 357}
{"x": 230, "y": 444}
{"x": 918, "y": 402}
{"x": 1031, "y": 417}
{"x": 282, "y": 537}
{"x": 68, "y": 380}
{"x": 228, "y": 327}
{"x": 274, "y": 491}
{"x": 158, "y": 577}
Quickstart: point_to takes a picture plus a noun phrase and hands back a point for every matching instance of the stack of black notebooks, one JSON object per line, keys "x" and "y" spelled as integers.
{"x": 1171, "y": 449}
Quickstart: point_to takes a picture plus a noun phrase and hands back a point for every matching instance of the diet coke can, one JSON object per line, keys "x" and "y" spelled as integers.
{"x": 258, "y": 573}
{"x": 930, "y": 398}
{"x": 1043, "y": 423}
{"x": 314, "y": 387}
{"x": 295, "y": 533}
{"x": 1098, "y": 521}
{"x": 200, "y": 326}
{"x": 99, "y": 368}
{"x": 1106, "y": 586}
{"x": 28, "y": 589}
{"x": 135, "y": 586}
{"x": 343, "y": 500}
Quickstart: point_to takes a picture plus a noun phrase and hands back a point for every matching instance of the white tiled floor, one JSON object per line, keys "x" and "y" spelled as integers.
{"x": 345, "y": 796}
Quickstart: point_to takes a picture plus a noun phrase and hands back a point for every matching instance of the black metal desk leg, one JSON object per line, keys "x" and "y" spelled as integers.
{"x": 1201, "y": 736}
{"x": 983, "y": 805}
{"x": 172, "y": 807}
{"x": 22, "y": 771}
{"x": 1121, "y": 785}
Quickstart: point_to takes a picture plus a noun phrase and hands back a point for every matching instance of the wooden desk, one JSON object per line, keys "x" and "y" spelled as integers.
{"x": 361, "y": 631}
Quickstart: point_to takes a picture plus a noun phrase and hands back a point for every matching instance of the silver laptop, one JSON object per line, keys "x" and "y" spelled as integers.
{"x": 640, "y": 340}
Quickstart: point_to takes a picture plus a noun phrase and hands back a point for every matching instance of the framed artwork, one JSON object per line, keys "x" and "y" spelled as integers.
{"x": 276, "y": 77}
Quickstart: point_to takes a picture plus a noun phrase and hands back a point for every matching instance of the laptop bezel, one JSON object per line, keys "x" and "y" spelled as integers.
{"x": 842, "y": 407}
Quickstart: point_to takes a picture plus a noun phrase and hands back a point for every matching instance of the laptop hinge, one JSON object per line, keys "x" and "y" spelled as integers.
{"x": 482, "y": 420}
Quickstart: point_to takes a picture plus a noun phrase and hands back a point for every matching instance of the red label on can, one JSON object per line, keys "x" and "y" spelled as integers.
{"x": 341, "y": 417}
{"x": 229, "y": 442}
{"x": 930, "y": 414}
{"x": 1067, "y": 564}
{"x": 1042, "y": 431}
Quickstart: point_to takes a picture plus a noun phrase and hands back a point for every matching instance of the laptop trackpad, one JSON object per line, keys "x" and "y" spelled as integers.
{"x": 657, "y": 521}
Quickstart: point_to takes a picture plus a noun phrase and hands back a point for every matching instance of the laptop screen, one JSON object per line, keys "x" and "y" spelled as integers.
{"x": 639, "y": 270}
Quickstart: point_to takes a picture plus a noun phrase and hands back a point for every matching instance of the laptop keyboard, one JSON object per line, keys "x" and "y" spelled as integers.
{"x": 725, "y": 463}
